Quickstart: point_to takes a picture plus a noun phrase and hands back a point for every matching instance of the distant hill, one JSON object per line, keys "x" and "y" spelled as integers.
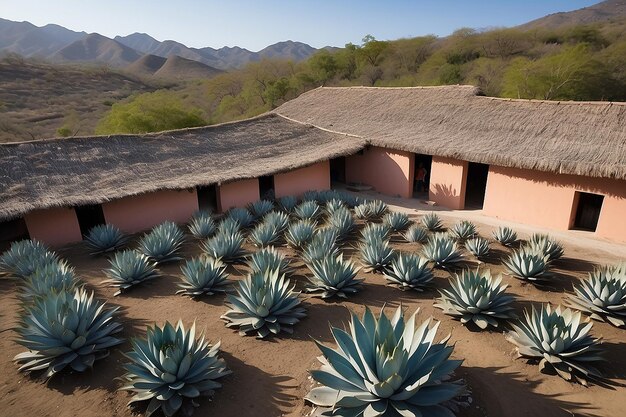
{"x": 39, "y": 98}
{"x": 146, "y": 65}
{"x": 602, "y": 12}
{"x": 297, "y": 51}
{"x": 98, "y": 49}
{"x": 28, "y": 40}
{"x": 176, "y": 67}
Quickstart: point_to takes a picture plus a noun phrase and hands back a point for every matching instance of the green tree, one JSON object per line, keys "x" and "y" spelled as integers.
{"x": 150, "y": 112}
{"x": 324, "y": 66}
{"x": 572, "y": 74}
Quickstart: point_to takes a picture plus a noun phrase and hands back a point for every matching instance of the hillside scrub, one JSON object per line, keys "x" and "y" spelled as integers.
{"x": 575, "y": 63}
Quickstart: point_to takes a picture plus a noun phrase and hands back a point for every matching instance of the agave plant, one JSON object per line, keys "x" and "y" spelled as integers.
{"x": 603, "y": 295}
{"x": 528, "y": 265}
{"x": 269, "y": 259}
{"x": 386, "y": 367}
{"x": 375, "y": 231}
{"x": 288, "y": 203}
{"x": 24, "y": 257}
{"x": 277, "y": 219}
{"x": 443, "y": 251}
{"x": 396, "y": 221}
{"x": 371, "y": 210}
{"x": 260, "y": 208}
{"x": 163, "y": 243}
{"x": 342, "y": 221}
{"x": 560, "y": 339}
{"x": 546, "y": 245}
{"x": 241, "y": 215}
{"x": 66, "y": 328}
{"x": 172, "y": 368}
{"x": 478, "y": 247}
{"x": 311, "y": 195}
{"x": 505, "y": 236}
{"x": 202, "y": 225}
{"x": 264, "y": 234}
{"x": 334, "y": 204}
{"x": 432, "y": 222}
{"x": 226, "y": 247}
{"x": 264, "y": 304}
{"x": 308, "y": 210}
{"x": 300, "y": 233}
{"x": 416, "y": 233}
{"x": 376, "y": 254}
{"x": 409, "y": 271}
{"x": 322, "y": 245}
{"x": 203, "y": 276}
{"x": 54, "y": 277}
{"x": 333, "y": 276}
{"x": 463, "y": 230}
{"x": 476, "y": 297}
{"x": 129, "y": 268}
{"x": 105, "y": 238}
{"x": 229, "y": 226}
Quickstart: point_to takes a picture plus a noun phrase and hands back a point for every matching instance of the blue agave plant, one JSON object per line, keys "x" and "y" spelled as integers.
{"x": 386, "y": 367}
{"x": 105, "y": 238}
{"x": 66, "y": 329}
{"x": 171, "y": 368}
{"x": 163, "y": 243}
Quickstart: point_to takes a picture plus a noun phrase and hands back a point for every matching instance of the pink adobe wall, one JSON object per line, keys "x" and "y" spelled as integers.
{"x": 549, "y": 200}
{"x": 141, "y": 212}
{"x": 296, "y": 182}
{"x": 388, "y": 171}
{"x": 448, "y": 178}
{"x": 238, "y": 193}
{"x": 55, "y": 226}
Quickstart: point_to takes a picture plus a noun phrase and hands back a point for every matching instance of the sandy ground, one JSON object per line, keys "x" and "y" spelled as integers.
{"x": 270, "y": 377}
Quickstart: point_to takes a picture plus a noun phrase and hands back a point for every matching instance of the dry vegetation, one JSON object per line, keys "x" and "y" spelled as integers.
{"x": 37, "y": 99}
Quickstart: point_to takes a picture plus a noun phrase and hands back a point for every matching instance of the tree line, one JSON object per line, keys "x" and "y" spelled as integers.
{"x": 575, "y": 63}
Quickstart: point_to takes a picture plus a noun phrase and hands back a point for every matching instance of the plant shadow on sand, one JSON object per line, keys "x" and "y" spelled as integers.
{"x": 515, "y": 395}
{"x": 247, "y": 379}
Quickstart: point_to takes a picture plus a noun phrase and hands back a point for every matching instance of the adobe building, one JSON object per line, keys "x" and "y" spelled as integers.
{"x": 559, "y": 165}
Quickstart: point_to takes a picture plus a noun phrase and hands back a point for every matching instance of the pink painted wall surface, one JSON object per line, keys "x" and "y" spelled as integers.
{"x": 141, "y": 212}
{"x": 388, "y": 171}
{"x": 238, "y": 193}
{"x": 296, "y": 182}
{"x": 448, "y": 178}
{"x": 55, "y": 226}
{"x": 548, "y": 199}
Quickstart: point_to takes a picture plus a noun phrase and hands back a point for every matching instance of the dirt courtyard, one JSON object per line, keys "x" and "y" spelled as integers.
{"x": 270, "y": 377}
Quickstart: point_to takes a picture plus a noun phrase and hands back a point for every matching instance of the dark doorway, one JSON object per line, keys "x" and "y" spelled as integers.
{"x": 11, "y": 231}
{"x": 89, "y": 216}
{"x": 338, "y": 169}
{"x": 421, "y": 179}
{"x": 476, "y": 185}
{"x": 266, "y": 187}
{"x": 207, "y": 197}
{"x": 588, "y": 207}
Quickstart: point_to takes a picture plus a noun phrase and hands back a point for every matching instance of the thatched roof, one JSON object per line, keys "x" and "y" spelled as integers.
{"x": 455, "y": 121}
{"x": 90, "y": 170}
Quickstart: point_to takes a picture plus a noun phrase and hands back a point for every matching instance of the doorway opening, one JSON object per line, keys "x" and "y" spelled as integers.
{"x": 588, "y": 207}
{"x": 89, "y": 216}
{"x": 421, "y": 177}
{"x": 12, "y": 231}
{"x": 338, "y": 170}
{"x": 207, "y": 197}
{"x": 266, "y": 187}
{"x": 476, "y": 185}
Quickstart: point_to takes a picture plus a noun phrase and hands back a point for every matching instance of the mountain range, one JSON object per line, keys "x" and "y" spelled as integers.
{"x": 137, "y": 51}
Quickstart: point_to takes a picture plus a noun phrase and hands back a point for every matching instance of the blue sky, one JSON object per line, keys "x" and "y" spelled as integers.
{"x": 256, "y": 24}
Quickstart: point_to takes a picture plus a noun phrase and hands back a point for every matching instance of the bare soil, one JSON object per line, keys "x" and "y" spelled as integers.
{"x": 270, "y": 377}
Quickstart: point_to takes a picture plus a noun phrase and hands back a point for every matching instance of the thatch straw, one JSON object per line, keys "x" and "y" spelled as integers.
{"x": 91, "y": 170}
{"x": 579, "y": 138}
